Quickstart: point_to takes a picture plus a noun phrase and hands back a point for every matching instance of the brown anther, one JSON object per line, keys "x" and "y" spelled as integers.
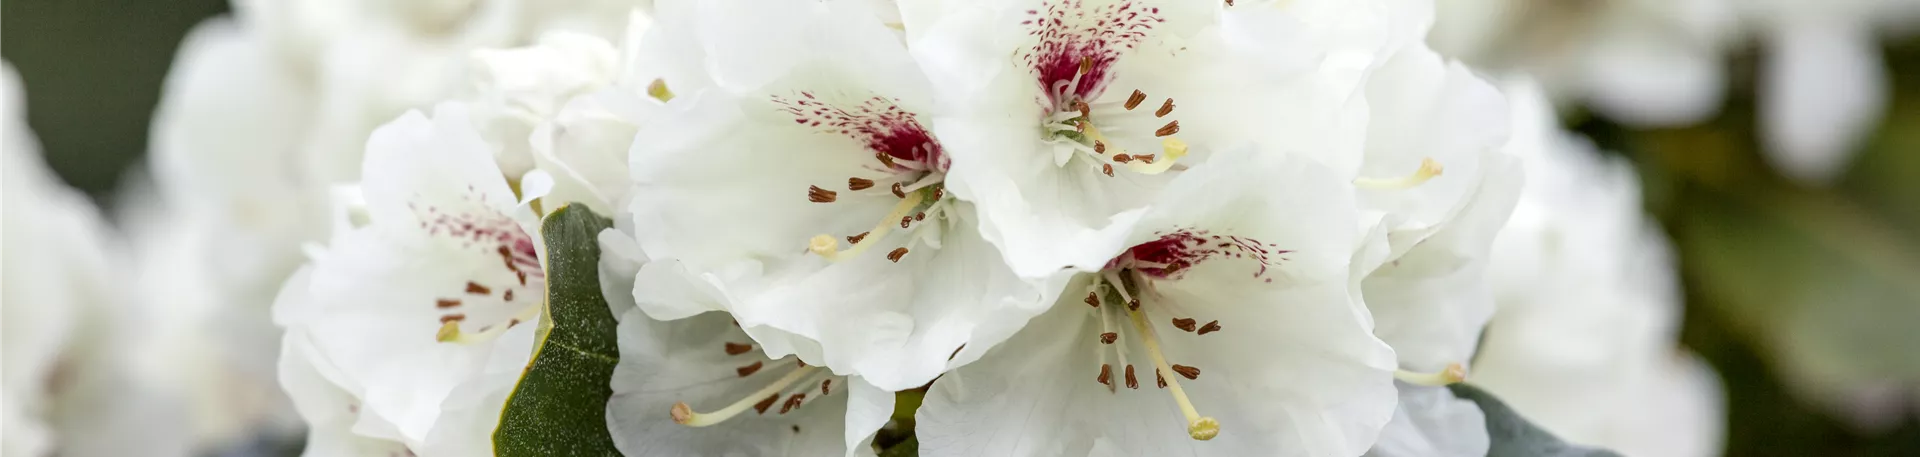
{"x": 1169, "y": 129}
{"x": 1133, "y": 305}
{"x": 906, "y": 221}
{"x": 762, "y": 406}
{"x": 1092, "y": 300}
{"x": 522, "y": 275}
{"x": 1189, "y": 372}
{"x": 1229, "y": 2}
{"x": 1183, "y": 323}
{"x": 512, "y": 322}
{"x": 1165, "y": 108}
{"x": 1080, "y": 126}
{"x": 1132, "y": 383}
{"x": 1107, "y": 168}
{"x": 477, "y": 289}
{"x": 818, "y": 195}
{"x": 1109, "y": 337}
{"x": 1210, "y": 327}
{"x": 1159, "y": 380}
{"x": 920, "y": 216}
{"x": 1133, "y": 101}
{"x": 826, "y": 387}
{"x": 792, "y": 402}
{"x": 897, "y": 254}
{"x": 1081, "y": 106}
{"x": 446, "y": 303}
{"x": 738, "y": 348}
{"x": 508, "y": 295}
{"x": 899, "y": 190}
{"x": 1144, "y": 158}
{"x": 1106, "y": 374}
{"x": 1086, "y": 65}
{"x": 859, "y": 183}
{"x": 939, "y": 192}
{"x": 1122, "y": 158}
{"x": 1099, "y": 147}
{"x": 884, "y": 159}
{"x": 452, "y": 318}
{"x": 749, "y": 370}
{"x": 856, "y": 238}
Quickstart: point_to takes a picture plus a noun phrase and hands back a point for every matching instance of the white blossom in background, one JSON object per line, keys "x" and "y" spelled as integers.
{"x": 1234, "y": 300}
{"x": 78, "y": 360}
{"x": 1822, "y": 85}
{"x": 1584, "y": 342}
{"x": 263, "y": 112}
{"x": 800, "y": 178}
{"x": 1641, "y": 62}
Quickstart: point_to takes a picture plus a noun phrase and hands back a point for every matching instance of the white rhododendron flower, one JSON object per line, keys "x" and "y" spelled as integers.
{"x": 429, "y": 285}
{"x": 1589, "y": 305}
{"x": 1642, "y": 62}
{"x": 1065, "y": 118}
{"x": 804, "y": 183}
{"x": 1227, "y": 327}
{"x": 754, "y": 404}
{"x": 76, "y": 353}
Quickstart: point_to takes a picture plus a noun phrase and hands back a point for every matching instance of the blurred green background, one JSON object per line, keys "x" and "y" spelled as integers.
{"x": 1783, "y": 282}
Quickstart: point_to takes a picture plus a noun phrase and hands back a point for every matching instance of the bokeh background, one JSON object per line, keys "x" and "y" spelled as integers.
{"x": 1805, "y": 300}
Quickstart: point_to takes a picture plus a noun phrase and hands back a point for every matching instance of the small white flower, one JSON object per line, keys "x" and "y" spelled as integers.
{"x": 1065, "y": 118}
{"x": 802, "y": 181}
{"x": 748, "y": 403}
{"x": 430, "y": 287}
{"x": 1823, "y": 86}
{"x": 1589, "y": 304}
{"x": 1234, "y": 300}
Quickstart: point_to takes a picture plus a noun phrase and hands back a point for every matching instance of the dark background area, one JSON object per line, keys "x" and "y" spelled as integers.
{"x": 1753, "y": 246}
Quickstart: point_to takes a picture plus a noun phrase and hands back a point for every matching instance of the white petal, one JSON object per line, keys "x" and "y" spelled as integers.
{"x": 1425, "y": 108}
{"x": 1432, "y": 422}
{"x": 1646, "y": 76}
{"x": 667, "y": 362}
{"x": 1824, "y": 89}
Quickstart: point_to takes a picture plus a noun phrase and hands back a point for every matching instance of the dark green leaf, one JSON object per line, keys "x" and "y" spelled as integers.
{"x": 1513, "y": 436}
{"x": 559, "y": 407}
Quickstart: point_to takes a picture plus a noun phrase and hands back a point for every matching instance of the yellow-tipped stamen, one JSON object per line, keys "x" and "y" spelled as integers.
{"x": 1429, "y": 169}
{"x": 824, "y": 245}
{"x": 1198, "y": 427}
{"x": 1453, "y": 374}
{"x": 658, "y": 90}
{"x": 685, "y": 415}
{"x": 450, "y": 330}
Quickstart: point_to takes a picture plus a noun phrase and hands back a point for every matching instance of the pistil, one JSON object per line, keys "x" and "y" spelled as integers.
{"x": 684, "y": 415}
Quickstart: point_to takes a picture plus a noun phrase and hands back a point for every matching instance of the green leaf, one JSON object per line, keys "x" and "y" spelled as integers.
{"x": 1514, "y": 436}
{"x": 560, "y": 404}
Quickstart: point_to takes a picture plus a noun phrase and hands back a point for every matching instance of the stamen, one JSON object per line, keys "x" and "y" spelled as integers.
{"x": 749, "y": 370}
{"x": 1132, "y": 383}
{"x": 1428, "y": 170}
{"x": 450, "y": 329}
{"x": 452, "y": 318}
{"x": 1093, "y": 299}
{"x": 658, "y": 90}
{"x": 1164, "y": 109}
{"x": 1159, "y": 379}
{"x": 818, "y": 195}
{"x": 826, "y": 246}
{"x": 1099, "y": 147}
{"x": 1107, "y": 168}
{"x": 899, "y": 190}
{"x": 446, "y": 303}
{"x": 855, "y": 239}
{"x": 1198, "y": 427}
{"x": 477, "y": 289}
{"x": 1189, "y": 372}
{"x": 1133, "y": 101}
{"x": 1106, "y": 375}
{"x": 759, "y": 400}
{"x": 1122, "y": 158}
{"x": 826, "y": 387}
{"x": 1184, "y": 323}
{"x": 1109, "y": 337}
{"x": 792, "y": 402}
{"x": 1452, "y": 374}
{"x": 1169, "y": 129}
{"x": 859, "y": 183}
{"x": 897, "y": 254}
{"x": 1209, "y": 328}
{"x": 737, "y": 348}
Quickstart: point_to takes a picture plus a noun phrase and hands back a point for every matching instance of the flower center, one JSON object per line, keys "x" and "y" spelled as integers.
{"x": 1072, "y": 61}
{"x": 794, "y": 386}
{"x": 493, "y": 299}
{"x": 908, "y": 163}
